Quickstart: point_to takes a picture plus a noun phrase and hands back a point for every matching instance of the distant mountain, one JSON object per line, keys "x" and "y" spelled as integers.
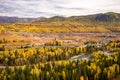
{"x": 102, "y": 17}
{"x": 15, "y": 19}
{"x": 110, "y": 16}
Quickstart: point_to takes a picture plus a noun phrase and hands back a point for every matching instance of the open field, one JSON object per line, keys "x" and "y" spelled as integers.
{"x": 68, "y": 39}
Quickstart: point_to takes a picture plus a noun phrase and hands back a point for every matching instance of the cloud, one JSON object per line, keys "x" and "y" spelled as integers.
{"x": 48, "y": 8}
{"x": 69, "y": 8}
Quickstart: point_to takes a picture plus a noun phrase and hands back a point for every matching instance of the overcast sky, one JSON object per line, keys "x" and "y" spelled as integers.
{"x": 48, "y": 8}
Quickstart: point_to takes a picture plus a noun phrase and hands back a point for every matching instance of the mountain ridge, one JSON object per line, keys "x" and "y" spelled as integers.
{"x": 104, "y": 17}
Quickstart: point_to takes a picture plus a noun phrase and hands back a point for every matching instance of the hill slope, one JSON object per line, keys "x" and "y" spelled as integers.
{"x": 104, "y": 17}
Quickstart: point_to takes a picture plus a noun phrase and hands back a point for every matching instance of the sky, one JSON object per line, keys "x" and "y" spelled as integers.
{"x": 49, "y": 8}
